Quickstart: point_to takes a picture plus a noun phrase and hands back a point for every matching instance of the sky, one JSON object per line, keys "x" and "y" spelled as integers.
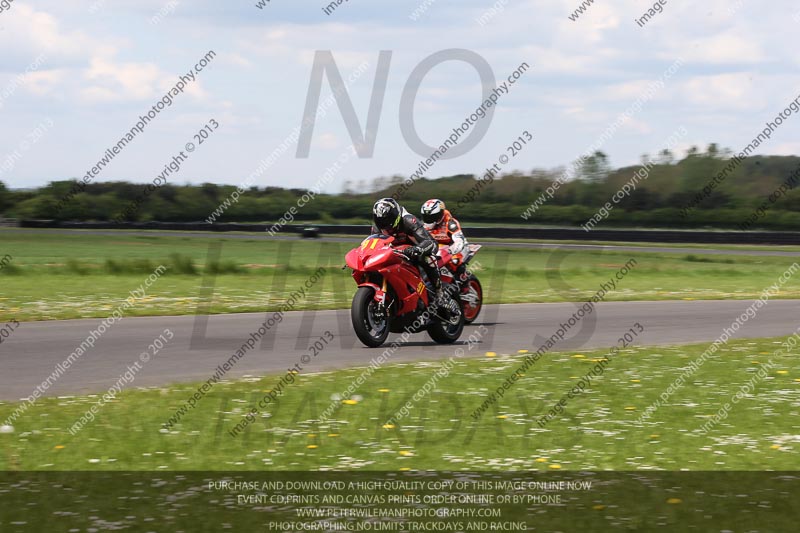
{"x": 75, "y": 75}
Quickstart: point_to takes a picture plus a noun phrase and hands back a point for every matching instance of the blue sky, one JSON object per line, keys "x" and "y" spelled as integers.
{"x": 103, "y": 63}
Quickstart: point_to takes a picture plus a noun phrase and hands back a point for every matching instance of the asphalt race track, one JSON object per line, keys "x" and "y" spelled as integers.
{"x": 202, "y": 343}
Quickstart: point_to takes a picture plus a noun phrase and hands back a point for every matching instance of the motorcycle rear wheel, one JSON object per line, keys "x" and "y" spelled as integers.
{"x": 471, "y": 298}
{"x": 443, "y": 332}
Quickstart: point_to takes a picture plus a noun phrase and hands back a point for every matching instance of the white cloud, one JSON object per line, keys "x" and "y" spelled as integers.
{"x": 121, "y": 81}
{"x": 582, "y": 115}
{"x": 724, "y": 91}
{"x": 328, "y": 141}
{"x": 629, "y": 90}
{"x": 38, "y": 32}
{"x": 786, "y": 148}
{"x": 731, "y": 47}
{"x": 45, "y": 82}
{"x": 78, "y": 65}
{"x": 235, "y": 59}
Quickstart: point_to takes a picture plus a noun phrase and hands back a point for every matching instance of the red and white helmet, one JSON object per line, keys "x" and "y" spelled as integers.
{"x": 432, "y": 212}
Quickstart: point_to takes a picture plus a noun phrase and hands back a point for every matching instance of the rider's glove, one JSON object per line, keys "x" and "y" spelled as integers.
{"x": 412, "y": 252}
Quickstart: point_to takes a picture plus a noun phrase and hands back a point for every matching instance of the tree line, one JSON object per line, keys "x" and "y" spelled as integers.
{"x": 670, "y": 186}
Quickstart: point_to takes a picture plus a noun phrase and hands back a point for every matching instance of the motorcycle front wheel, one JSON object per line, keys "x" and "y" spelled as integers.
{"x": 371, "y": 326}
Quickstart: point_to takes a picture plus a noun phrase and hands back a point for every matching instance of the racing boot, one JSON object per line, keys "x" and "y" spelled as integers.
{"x": 444, "y": 300}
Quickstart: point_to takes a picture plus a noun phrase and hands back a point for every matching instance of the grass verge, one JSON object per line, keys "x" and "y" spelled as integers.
{"x": 86, "y": 276}
{"x": 600, "y": 429}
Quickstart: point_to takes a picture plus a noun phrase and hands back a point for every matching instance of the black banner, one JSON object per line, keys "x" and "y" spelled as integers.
{"x": 399, "y": 501}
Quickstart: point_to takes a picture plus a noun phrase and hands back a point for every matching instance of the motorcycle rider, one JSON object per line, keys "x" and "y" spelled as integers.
{"x": 443, "y": 227}
{"x": 390, "y": 218}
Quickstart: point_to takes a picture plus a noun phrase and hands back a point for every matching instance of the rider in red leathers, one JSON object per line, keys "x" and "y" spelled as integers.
{"x": 443, "y": 227}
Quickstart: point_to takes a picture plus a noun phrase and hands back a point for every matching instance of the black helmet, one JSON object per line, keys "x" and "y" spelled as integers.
{"x": 386, "y": 213}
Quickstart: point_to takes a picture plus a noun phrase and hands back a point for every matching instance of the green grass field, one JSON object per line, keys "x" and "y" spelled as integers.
{"x": 599, "y": 430}
{"x": 54, "y": 276}
{"x": 125, "y": 469}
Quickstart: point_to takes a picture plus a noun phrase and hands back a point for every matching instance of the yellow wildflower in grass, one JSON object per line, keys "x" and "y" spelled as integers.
{"x": 503, "y": 417}
{"x": 349, "y": 402}
{"x": 673, "y": 501}
{"x": 579, "y": 356}
{"x": 636, "y": 381}
{"x": 333, "y": 434}
{"x": 599, "y": 507}
{"x": 388, "y": 426}
{"x": 783, "y": 371}
{"x": 776, "y": 446}
{"x": 312, "y": 446}
{"x": 405, "y": 453}
{"x": 522, "y": 351}
{"x": 541, "y": 459}
{"x": 630, "y": 408}
{"x": 59, "y": 447}
{"x": 491, "y": 354}
{"x": 555, "y": 467}
{"x": 383, "y": 390}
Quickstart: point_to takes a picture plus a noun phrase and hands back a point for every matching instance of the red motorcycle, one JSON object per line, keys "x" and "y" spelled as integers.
{"x": 470, "y": 291}
{"x": 393, "y": 296}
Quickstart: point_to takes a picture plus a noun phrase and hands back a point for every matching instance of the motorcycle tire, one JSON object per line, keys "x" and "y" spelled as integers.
{"x": 472, "y": 307}
{"x": 364, "y": 323}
